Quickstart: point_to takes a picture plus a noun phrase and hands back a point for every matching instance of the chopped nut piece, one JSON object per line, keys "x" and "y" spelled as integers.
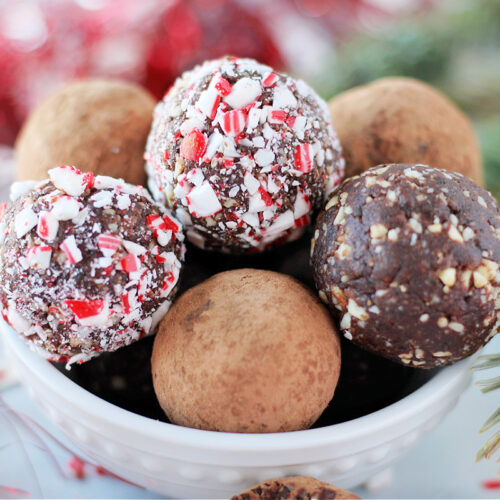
{"x": 357, "y": 311}
{"x": 391, "y": 196}
{"x": 343, "y": 251}
{"x": 346, "y": 321}
{"x": 415, "y": 225}
{"x": 435, "y": 228}
{"x": 442, "y": 322}
{"x": 468, "y": 234}
{"x": 332, "y": 202}
{"x": 457, "y": 327}
{"x": 448, "y": 276}
{"x": 340, "y": 217}
{"x": 455, "y": 235}
{"x": 392, "y": 235}
{"x": 480, "y": 277}
{"x": 378, "y": 230}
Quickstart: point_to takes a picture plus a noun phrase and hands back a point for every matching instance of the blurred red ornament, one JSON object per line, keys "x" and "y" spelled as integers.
{"x": 193, "y": 31}
{"x": 45, "y": 43}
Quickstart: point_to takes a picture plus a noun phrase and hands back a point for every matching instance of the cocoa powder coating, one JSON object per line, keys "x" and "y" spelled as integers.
{"x": 403, "y": 120}
{"x": 99, "y": 125}
{"x": 246, "y": 351}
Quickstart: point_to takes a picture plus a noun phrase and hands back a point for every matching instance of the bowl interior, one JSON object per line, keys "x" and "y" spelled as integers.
{"x": 367, "y": 383}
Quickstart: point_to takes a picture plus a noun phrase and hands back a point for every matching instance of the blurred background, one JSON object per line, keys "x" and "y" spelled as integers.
{"x": 334, "y": 44}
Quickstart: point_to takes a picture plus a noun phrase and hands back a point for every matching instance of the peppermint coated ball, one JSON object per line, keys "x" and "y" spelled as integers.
{"x": 87, "y": 264}
{"x": 408, "y": 258}
{"x": 242, "y": 154}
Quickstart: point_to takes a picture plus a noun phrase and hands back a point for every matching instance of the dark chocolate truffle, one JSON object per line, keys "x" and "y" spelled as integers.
{"x": 404, "y": 120}
{"x": 86, "y": 264}
{"x": 409, "y": 256}
{"x": 99, "y": 125}
{"x": 295, "y": 488}
{"x": 242, "y": 154}
{"x": 246, "y": 351}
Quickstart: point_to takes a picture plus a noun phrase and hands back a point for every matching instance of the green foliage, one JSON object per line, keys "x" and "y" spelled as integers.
{"x": 492, "y": 445}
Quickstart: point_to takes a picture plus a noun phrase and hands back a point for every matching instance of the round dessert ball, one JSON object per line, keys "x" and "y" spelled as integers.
{"x": 403, "y": 120}
{"x": 409, "y": 257}
{"x": 295, "y": 488}
{"x": 87, "y": 264}
{"x": 246, "y": 351}
{"x": 99, "y": 125}
{"x": 242, "y": 154}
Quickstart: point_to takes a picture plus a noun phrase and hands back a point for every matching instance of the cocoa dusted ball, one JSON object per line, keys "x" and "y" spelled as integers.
{"x": 261, "y": 346}
{"x": 87, "y": 264}
{"x": 99, "y": 125}
{"x": 295, "y": 488}
{"x": 242, "y": 154}
{"x": 408, "y": 256}
{"x": 403, "y": 120}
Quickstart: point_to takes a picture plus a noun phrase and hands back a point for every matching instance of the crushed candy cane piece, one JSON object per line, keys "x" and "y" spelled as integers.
{"x": 25, "y": 221}
{"x": 48, "y": 226}
{"x": 39, "y": 256}
{"x": 202, "y": 201}
{"x": 65, "y": 208}
{"x": 130, "y": 263}
{"x": 223, "y": 86}
{"x": 89, "y": 312}
{"x": 70, "y": 248}
{"x": 70, "y": 180}
{"x": 244, "y": 91}
{"x": 270, "y": 79}
{"x": 208, "y": 103}
{"x": 194, "y": 145}
{"x": 108, "y": 244}
{"x": 233, "y": 122}
{"x": 303, "y": 158}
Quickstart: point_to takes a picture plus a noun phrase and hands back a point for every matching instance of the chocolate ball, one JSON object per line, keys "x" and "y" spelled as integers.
{"x": 295, "y": 488}
{"x": 403, "y": 120}
{"x": 87, "y": 264}
{"x": 242, "y": 154}
{"x": 99, "y": 125}
{"x": 408, "y": 256}
{"x": 246, "y": 351}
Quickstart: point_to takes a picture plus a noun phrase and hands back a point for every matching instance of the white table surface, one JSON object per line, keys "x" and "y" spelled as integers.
{"x": 442, "y": 465}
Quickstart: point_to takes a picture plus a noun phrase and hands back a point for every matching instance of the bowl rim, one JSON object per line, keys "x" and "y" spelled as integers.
{"x": 424, "y": 398}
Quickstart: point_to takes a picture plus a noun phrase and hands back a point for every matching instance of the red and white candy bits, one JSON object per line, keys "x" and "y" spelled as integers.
{"x": 87, "y": 265}
{"x": 242, "y": 154}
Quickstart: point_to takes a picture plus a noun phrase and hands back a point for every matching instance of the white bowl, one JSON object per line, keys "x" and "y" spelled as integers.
{"x": 189, "y": 463}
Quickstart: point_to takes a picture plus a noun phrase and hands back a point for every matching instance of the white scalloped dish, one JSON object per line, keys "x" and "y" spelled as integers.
{"x": 190, "y": 463}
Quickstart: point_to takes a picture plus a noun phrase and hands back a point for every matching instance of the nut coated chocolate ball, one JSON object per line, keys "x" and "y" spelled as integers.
{"x": 295, "y": 488}
{"x": 87, "y": 264}
{"x": 246, "y": 351}
{"x": 408, "y": 257}
{"x": 242, "y": 154}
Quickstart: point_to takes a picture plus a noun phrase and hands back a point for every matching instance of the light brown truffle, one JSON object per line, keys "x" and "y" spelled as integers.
{"x": 295, "y": 488}
{"x": 246, "y": 351}
{"x": 403, "y": 120}
{"x": 99, "y": 125}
